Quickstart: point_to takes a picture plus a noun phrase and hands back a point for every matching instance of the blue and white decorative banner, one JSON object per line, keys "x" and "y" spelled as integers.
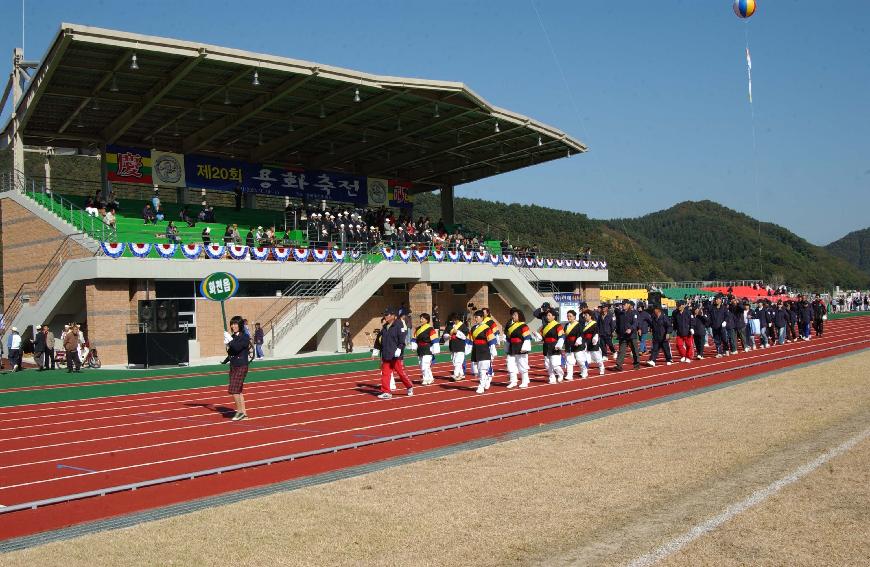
{"x": 237, "y": 251}
{"x": 421, "y": 255}
{"x": 166, "y": 250}
{"x": 355, "y": 254}
{"x": 191, "y": 251}
{"x": 594, "y": 264}
{"x": 338, "y": 255}
{"x": 215, "y": 251}
{"x": 603, "y": 264}
{"x": 112, "y": 249}
{"x": 530, "y": 262}
{"x": 581, "y": 264}
{"x": 506, "y": 259}
{"x": 454, "y": 255}
{"x": 481, "y": 256}
{"x": 438, "y": 254}
{"x": 549, "y": 262}
{"x": 259, "y": 253}
{"x": 281, "y": 253}
{"x": 560, "y": 263}
{"x": 519, "y": 261}
{"x": 320, "y": 254}
{"x": 405, "y": 255}
{"x": 468, "y": 256}
{"x": 494, "y": 259}
{"x": 139, "y": 250}
{"x": 388, "y": 253}
{"x": 300, "y": 254}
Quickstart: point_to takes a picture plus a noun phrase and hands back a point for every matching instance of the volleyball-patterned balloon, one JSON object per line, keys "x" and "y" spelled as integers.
{"x": 744, "y": 8}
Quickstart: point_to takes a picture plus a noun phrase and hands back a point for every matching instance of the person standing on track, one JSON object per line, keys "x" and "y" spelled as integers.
{"x": 425, "y": 340}
{"x": 519, "y": 344}
{"x": 820, "y": 315}
{"x": 591, "y": 344}
{"x": 482, "y": 351}
{"x": 699, "y": 331}
{"x": 626, "y": 331}
{"x": 488, "y": 319}
{"x": 237, "y": 342}
{"x": 606, "y": 324}
{"x": 554, "y": 337}
{"x": 661, "y": 336}
{"x": 392, "y": 347}
{"x": 718, "y": 322}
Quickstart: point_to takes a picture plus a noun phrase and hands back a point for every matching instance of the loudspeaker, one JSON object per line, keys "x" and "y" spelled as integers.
{"x": 146, "y": 315}
{"x": 166, "y": 315}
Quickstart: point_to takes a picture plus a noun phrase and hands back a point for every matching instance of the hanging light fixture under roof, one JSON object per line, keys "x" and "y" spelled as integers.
{"x": 436, "y": 114}
{"x": 226, "y": 96}
{"x": 322, "y": 111}
{"x": 114, "y": 87}
{"x": 365, "y": 138}
{"x": 356, "y": 97}
{"x": 79, "y": 123}
{"x": 175, "y": 128}
{"x": 96, "y": 105}
{"x": 497, "y": 129}
{"x": 540, "y": 142}
{"x": 134, "y": 63}
{"x": 201, "y": 117}
{"x": 256, "y": 80}
{"x": 290, "y": 125}
{"x": 399, "y": 123}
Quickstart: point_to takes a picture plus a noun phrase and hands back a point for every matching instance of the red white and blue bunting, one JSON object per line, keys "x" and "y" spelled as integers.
{"x": 560, "y": 263}
{"x": 539, "y": 262}
{"x": 549, "y": 262}
{"x": 518, "y": 261}
{"x": 594, "y": 264}
{"x": 112, "y": 249}
{"x": 259, "y": 253}
{"x": 166, "y": 250}
{"x": 237, "y": 251}
{"x": 300, "y": 254}
{"x": 468, "y": 256}
{"x": 215, "y": 251}
{"x": 454, "y": 255}
{"x": 602, "y": 264}
{"x": 506, "y": 259}
{"x": 389, "y": 253}
{"x": 281, "y": 253}
{"x": 530, "y": 262}
{"x": 405, "y": 255}
{"x": 421, "y": 255}
{"x": 494, "y": 259}
{"x": 191, "y": 251}
{"x": 320, "y": 254}
{"x": 481, "y": 256}
{"x": 139, "y": 250}
{"x": 439, "y": 255}
{"x": 338, "y": 255}
{"x": 355, "y": 254}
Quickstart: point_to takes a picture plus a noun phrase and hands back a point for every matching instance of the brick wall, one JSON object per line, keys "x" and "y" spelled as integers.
{"x": 27, "y": 243}
{"x": 420, "y": 297}
{"x": 108, "y": 306}
{"x": 368, "y": 317}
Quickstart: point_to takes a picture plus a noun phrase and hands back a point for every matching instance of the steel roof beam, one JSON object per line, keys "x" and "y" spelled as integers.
{"x": 122, "y": 123}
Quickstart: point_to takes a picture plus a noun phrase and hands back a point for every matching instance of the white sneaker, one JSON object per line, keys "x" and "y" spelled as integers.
{"x": 651, "y": 363}
{"x": 524, "y": 384}
{"x": 552, "y": 380}
{"x": 668, "y": 363}
{"x": 512, "y": 384}
{"x": 700, "y": 357}
{"x": 560, "y": 378}
{"x": 734, "y": 352}
{"x": 385, "y": 396}
{"x": 486, "y": 383}
{"x": 615, "y": 354}
{"x": 568, "y": 379}
{"x": 601, "y": 371}
{"x": 584, "y": 374}
{"x": 719, "y": 356}
{"x": 409, "y": 392}
{"x": 746, "y": 349}
{"x": 480, "y": 389}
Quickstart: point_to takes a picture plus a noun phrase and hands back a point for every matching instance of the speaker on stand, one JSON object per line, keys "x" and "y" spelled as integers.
{"x": 166, "y": 316}
{"x": 146, "y": 315}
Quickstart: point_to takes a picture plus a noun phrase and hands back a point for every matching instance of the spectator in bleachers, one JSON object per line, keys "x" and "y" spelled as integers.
{"x": 148, "y": 214}
{"x": 109, "y": 219}
{"x": 237, "y": 237}
{"x": 228, "y": 235}
{"x": 91, "y": 208}
{"x": 155, "y": 200}
{"x": 185, "y": 217}
{"x": 158, "y": 214}
{"x": 172, "y": 233}
{"x": 249, "y": 239}
{"x": 206, "y": 236}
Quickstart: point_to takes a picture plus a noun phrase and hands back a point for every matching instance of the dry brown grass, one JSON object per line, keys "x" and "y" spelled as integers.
{"x": 601, "y": 492}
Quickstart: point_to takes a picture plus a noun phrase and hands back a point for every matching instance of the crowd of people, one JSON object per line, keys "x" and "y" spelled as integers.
{"x": 850, "y": 302}
{"x": 73, "y": 346}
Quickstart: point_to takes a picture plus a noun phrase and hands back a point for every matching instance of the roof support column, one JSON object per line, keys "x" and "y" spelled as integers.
{"x": 447, "y": 216}
{"x": 17, "y": 126}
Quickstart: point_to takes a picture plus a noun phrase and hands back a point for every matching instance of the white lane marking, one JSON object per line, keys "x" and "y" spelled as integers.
{"x": 754, "y": 499}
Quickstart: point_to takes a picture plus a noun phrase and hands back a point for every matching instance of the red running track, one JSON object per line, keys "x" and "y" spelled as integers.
{"x": 57, "y": 449}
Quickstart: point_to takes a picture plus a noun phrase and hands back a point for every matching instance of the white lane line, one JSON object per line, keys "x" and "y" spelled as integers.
{"x": 738, "y": 508}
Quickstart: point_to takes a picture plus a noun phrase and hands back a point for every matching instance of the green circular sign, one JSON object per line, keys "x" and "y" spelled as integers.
{"x": 219, "y": 286}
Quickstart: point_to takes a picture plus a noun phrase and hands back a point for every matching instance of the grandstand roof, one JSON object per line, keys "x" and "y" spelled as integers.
{"x": 197, "y": 98}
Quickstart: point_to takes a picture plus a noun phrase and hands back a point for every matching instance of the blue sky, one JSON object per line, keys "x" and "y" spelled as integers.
{"x": 656, "y": 89}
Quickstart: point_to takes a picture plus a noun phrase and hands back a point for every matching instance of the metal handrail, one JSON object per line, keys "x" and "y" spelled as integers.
{"x": 668, "y": 285}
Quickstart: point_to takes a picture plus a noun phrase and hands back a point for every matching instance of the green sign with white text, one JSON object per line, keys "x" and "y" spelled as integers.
{"x": 219, "y": 286}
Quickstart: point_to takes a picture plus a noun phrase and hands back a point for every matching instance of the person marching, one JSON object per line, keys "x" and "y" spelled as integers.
{"x": 487, "y": 318}
{"x": 554, "y": 337}
{"x": 682, "y": 325}
{"x": 573, "y": 346}
{"x": 456, "y": 336}
{"x": 591, "y": 342}
{"x": 719, "y": 324}
{"x": 626, "y": 331}
{"x": 519, "y": 344}
{"x": 237, "y": 342}
{"x": 644, "y": 325}
{"x": 820, "y": 315}
{"x": 606, "y": 325}
{"x": 805, "y": 317}
{"x": 426, "y": 342}
{"x": 661, "y": 335}
{"x": 392, "y": 347}
{"x": 482, "y": 351}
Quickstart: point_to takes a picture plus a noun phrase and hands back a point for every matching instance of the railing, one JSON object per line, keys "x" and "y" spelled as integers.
{"x": 668, "y": 285}
{"x": 43, "y": 280}
{"x": 58, "y": 205}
